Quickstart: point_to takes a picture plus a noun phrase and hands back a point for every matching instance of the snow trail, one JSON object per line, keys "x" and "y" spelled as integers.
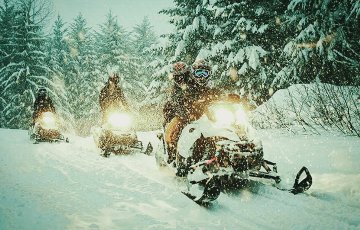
{"x": 70, "y": 186}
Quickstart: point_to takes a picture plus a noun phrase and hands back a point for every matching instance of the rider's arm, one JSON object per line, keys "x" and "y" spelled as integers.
{"x": 180, "y": 105}
{"x": 123, "y": 99}
{"x": 102, "y": 97}
{"x": 51, "y": 105}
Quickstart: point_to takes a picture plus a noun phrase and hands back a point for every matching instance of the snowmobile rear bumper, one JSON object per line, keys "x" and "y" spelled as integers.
{"x": 47, "y": 135}
{"x": 123, "y": 143}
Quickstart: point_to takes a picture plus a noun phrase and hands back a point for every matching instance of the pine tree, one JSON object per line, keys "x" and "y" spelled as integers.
{"x": 144, "y": 40}
{"x": 83, "y": 78}
{"x": 247, "y": 42}
{"x": 58, "y": 59}
{"x": 193, "y": 30}
{"x": 149, "y": 85}
{"x": 7, "y": 15}
{"x": 324, "y": 43}
{"x": 27, "y": 70}
{"x": 113, "y": 48}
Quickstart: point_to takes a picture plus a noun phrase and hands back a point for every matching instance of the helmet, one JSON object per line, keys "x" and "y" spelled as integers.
{"x": 180, "y": 72}
{"x": 42, "y": 91}
{"x": 201, "y": 71}
{"x": 180, "y": 68}
{"x": 114, "y": 78}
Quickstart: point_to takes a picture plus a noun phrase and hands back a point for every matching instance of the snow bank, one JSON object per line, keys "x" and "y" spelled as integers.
{"x": 313, "y": 107}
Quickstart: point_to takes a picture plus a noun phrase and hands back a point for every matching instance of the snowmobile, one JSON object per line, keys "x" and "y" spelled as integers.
{"x": 117, "y": 135}
{"x": 221, "y": 151}
{"x": 46, "y": 129}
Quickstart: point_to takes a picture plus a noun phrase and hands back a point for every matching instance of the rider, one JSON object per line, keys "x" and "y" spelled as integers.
{"x": 188, "y": 100}
{"x": 43, "y": 103}
{"x": 180, "y": 77}
{"x": 112, "y": 96}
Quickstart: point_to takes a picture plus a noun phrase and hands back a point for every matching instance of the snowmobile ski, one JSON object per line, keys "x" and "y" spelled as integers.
{"x": 304, "y": 185}
{"x": 211, "y": 193}
{"x": 149, "y": 149}
{"x": 300, "y": 187}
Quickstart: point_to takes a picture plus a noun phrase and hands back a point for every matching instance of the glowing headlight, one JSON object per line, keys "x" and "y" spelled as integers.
{"x": 228, "y": 114}
{"x": 48, "y": 120}
{"x": 120, "y": 120}
{"x": 224, "y": 116}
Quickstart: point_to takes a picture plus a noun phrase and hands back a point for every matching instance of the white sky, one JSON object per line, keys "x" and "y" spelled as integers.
{"x": 129, "y": 12}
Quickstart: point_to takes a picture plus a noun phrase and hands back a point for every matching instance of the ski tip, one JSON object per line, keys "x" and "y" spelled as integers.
{"x": 192, "y": 197}
{"x": 304, "y": 184}
{"x": 202, "y": 201}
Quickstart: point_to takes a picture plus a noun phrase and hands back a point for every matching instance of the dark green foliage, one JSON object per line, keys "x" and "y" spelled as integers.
{"x": 324, "y": 41}
{"x": 258, "y": 47}
{"x": 246, "y": 46}
{"x": 255, "y": 47}
{"x": 143, "y": 40}
{"x": 83, "y": 77}
{"x": 58, "y": 58}
{"x": 24, "y": 68}
{"x": 193, "y": 31}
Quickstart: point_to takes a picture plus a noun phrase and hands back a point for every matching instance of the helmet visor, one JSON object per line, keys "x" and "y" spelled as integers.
{"x": 201, "y": 73}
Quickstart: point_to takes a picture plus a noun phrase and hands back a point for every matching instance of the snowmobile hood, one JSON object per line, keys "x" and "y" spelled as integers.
{"x": 203, "y": 126}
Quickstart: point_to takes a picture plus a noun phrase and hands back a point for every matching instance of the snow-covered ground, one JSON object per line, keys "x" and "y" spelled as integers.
{"x": 70, "y": 186}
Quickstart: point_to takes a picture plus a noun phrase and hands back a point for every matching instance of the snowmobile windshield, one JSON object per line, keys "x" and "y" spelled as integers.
{"x": 201, "y": 73}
